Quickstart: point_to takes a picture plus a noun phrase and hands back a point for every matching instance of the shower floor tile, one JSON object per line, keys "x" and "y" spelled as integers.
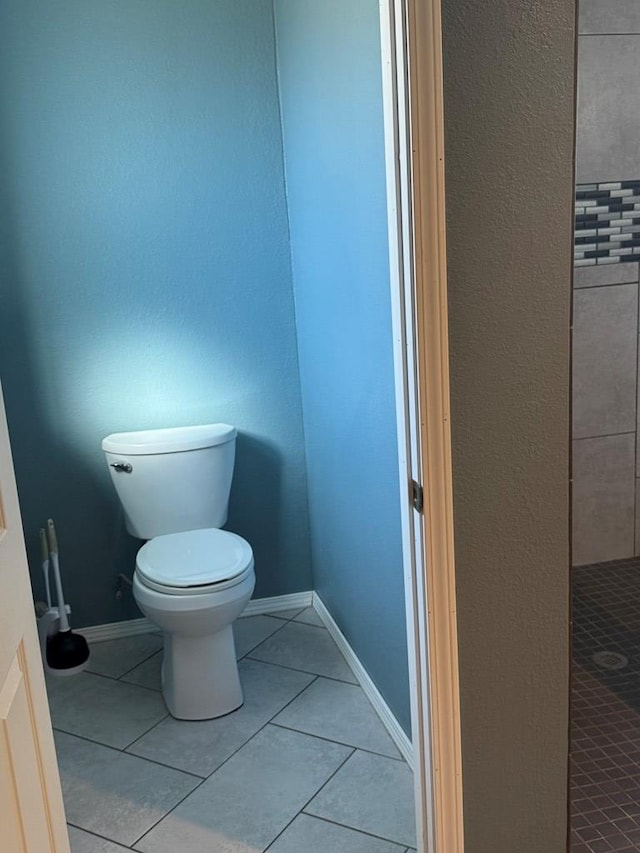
{"x": 237, "y": 784}
{"x": 605, "y": 710}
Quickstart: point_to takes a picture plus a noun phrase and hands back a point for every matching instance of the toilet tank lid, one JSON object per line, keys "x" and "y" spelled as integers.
{"x": 172, "y": 440}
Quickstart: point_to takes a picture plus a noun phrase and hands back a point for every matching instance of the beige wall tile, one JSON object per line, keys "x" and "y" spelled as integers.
{"x": 608, "y": 108}
{"x": 605, "y": 341}
{"x": 605, "y": 16}
{"x": 605, "y": 274}
{"x": 603, "y": 498}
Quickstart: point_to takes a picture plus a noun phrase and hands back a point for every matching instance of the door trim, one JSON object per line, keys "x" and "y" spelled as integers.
{"x": 411, "y": 37}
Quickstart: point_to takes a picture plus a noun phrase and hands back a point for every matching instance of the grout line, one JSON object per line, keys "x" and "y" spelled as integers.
{"x": 400, "y": 844}
{"x": 589, "y": 287}
{"x": 605, "y": 435}
{"x": 286, "y": 618}
{"x": 129, "y": 754}
{"x": 135, "y": 741}
{"x": 264, "y": 640}
{"x": 293, "y": 699}
{"x": 97, "y": 835}
{"x": 312, "y": 797}
{"x": 129, "y": 671}
{"x": 311, "y": 625}
{"x": 124, "y": 683}
{"x": 625, "y": 33}
{"x": 147, "y": 831}
{"x": 306, "y": 671}
{"x": 341, "y": 742}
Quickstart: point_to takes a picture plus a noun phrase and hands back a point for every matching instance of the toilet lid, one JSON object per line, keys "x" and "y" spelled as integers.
{"x": 194, "y": 558}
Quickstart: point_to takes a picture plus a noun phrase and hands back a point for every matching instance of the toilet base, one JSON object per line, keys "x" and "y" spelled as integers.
{"x": 200, "y": 679}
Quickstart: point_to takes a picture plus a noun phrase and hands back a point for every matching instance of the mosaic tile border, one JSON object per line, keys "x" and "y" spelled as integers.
{"x": 607, "y": 223}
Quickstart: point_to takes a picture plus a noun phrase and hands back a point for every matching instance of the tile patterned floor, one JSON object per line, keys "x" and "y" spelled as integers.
{"x": 304, "y": 765}
{"x": 605, "y": 714}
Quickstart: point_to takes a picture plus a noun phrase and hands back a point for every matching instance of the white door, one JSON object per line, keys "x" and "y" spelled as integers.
{"x": 31, "y": 811}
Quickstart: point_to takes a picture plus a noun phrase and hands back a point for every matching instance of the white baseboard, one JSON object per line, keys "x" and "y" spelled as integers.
{"x": 374, "y": 696}
{"x": 256, "y": 607}
{"x": 263, "y": 606}
{"x": 116, "y": 630}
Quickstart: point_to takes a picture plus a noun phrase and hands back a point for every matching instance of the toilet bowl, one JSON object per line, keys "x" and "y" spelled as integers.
{"x": 192, "y": 579}
{"x": 193, "y": 586}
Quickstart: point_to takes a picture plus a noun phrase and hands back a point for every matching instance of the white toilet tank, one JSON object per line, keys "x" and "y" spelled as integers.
{"x": 171, "y": 480}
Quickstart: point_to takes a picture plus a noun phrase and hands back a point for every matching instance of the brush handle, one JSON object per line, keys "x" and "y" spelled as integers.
{"x": 53, "y": 539}
{"x": 44, "y": 550}
{"x": 53, "y": 548}
{"x": 64, "y": 619}
{"x": 47, "y": 585}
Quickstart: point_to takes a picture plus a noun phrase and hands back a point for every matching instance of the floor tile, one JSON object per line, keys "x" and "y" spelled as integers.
{"x": 307, "y": 648}
{"x": 114, "y": 794}
{"x": 115, "y": 657}
{"x": 110, "y": 712}
{"x": 251, "y": 798}
{"x": 203, "y": 746}
{"x": 85, "y": 842}
{"x": 371, "y": 793}
{"x": 250, "y": 631}
{"x": 309, "y": 617}
{"x": 147, "y": 674}
{"x": 605, "y": 708}
{"x": 339, "y": 712}
{"x": 311, "y": 835}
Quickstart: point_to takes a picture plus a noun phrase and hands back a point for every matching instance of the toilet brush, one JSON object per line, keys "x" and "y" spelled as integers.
{"x": 65, "y": 650}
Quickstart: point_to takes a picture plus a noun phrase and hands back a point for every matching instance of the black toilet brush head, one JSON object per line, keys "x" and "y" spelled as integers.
{"x": 66, "y": 650}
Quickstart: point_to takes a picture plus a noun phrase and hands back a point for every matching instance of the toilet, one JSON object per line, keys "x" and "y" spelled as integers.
{"x": 191, "y": 579}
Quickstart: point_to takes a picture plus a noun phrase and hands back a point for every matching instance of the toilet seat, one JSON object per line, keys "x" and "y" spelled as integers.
{"x": 194, "y": 562}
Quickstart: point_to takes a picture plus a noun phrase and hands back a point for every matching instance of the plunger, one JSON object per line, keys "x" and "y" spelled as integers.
{"x": 65, "y": 650}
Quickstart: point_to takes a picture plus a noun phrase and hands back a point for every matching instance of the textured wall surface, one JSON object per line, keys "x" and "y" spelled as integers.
{"x": 509, "y": 83}
{"x": 146, "y": 272}
{"x": 330, "y": 83}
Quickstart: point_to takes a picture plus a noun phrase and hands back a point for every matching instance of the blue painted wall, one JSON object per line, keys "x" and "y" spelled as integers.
{"x": 145, "y": 275}
{"x": 145, "y": 280}
{"x": 331, "y": 100}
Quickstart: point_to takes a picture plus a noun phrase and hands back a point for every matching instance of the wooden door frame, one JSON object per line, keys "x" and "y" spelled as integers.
{"x": 411, "y": 39}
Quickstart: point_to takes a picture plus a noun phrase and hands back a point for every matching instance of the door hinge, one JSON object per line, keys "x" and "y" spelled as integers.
{"x": 417, "y": 496}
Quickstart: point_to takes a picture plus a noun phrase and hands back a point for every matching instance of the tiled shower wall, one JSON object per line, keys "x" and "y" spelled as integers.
{"x": 606, "y": 504}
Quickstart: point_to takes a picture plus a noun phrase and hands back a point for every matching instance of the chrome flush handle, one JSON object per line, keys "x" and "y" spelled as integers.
{"x": 122, "y": 466}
